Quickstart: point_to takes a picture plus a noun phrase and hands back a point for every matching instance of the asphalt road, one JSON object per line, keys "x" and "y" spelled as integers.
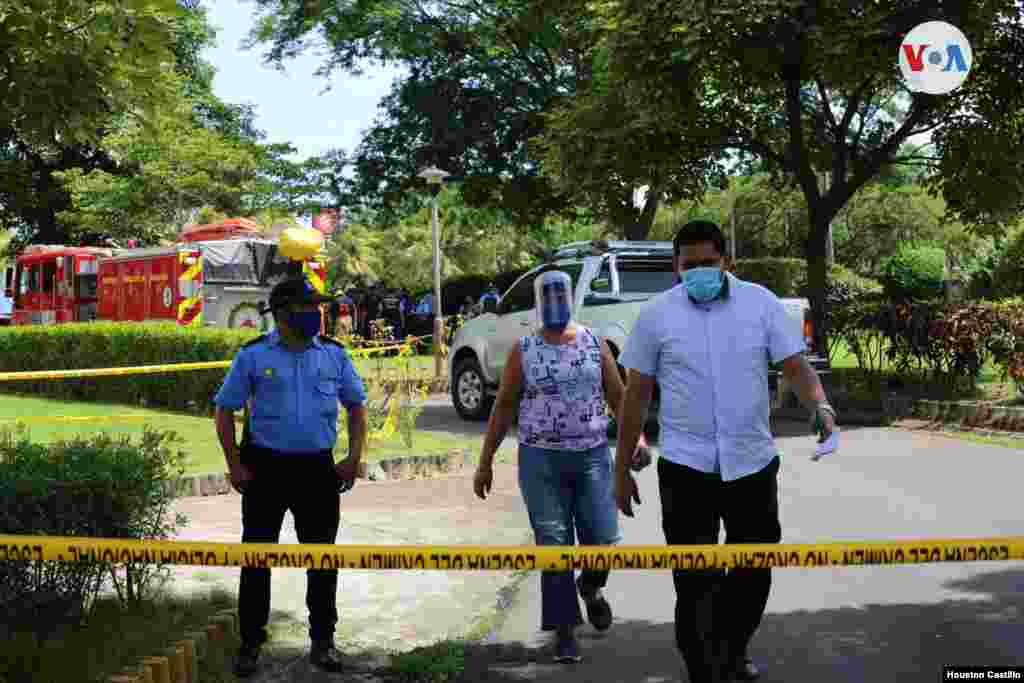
{"x": 891, "y": 623}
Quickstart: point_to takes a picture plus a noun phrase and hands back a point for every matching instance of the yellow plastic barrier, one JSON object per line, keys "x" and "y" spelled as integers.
{"x": 404, "y": 349}
{"x": 504, "y": 558}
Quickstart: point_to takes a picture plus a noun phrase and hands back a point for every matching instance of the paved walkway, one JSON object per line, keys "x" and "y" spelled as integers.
{"x": 380, "y": 610}
{"x": 846, "y": 625}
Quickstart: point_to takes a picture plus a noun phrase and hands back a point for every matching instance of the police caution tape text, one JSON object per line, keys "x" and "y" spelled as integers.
{"x": 498, "y": 558}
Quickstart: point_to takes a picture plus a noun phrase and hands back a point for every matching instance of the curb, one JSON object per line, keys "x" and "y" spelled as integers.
{"x": 179, "y": 661}
{"x": 913, "y": 425}
{"x": 970, "y": 416}
{"x": 400, "y": 467}
{"x": 986, "y": 419}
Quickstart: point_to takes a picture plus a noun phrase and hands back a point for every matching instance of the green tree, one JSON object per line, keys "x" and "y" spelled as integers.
{"x": 73, "y": 72}
{"x": 479, "y": 77}
{"x": 66, "y": 65}
{"x": 473, "y": 240}
{"x": 812, "y": 92}
{"x": 176, "y": 166}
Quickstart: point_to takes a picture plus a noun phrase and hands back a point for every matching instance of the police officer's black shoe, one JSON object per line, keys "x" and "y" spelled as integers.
{"x": 247, "y": 661}
{"x": 325, "y": 656}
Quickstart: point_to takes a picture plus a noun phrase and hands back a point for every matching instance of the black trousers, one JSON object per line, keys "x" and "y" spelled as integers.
{"x": 717, "y": 612}
{"x": 307, "y": 485}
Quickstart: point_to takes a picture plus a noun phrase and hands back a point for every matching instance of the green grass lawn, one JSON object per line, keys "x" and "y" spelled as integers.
{"x": 200, "y": 438}
{"x": 414, "y": 364}
{"x": 116, "y": 637}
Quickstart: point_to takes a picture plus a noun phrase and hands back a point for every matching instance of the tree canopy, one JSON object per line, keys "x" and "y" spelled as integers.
{"x": 479, "y": 76}
{"x": 810, "y": 90}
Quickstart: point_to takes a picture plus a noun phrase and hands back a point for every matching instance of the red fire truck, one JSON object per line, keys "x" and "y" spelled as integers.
{"x": 215, "y": 275}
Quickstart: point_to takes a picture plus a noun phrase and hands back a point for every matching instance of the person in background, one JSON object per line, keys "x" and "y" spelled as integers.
{"x": 707, "y": 343}
{"x": 490, "y": 294}
{"x": 290, "y": 382}
{"x": 559, "y": 382}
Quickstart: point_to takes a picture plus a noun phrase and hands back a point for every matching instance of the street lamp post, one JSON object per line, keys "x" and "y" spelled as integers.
{"x": 435, "y": 177}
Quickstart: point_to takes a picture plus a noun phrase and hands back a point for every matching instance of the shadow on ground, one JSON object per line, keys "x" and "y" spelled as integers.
{"x": 902, "y": 642}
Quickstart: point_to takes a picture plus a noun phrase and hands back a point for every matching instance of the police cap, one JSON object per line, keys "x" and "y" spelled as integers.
{"x": 295, "y": 290}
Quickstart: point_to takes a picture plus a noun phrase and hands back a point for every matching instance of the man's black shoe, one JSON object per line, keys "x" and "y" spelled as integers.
{"x": 325, "y": 656}
{"x": 247, "y": 661}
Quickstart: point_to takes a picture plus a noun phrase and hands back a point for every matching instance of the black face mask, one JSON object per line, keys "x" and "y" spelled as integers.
{"x": 304, "y": 323}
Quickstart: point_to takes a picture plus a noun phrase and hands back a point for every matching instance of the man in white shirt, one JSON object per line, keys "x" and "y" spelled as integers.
{"x": 707, "y": 342}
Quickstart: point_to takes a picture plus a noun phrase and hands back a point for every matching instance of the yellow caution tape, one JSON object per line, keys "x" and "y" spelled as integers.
{"x": 112, "y": 372}
{"x": 157, "y": 369}
{"x": 358, "y": 343}
{"x": 403, "y": 349}
{"x": 504, "y": 558}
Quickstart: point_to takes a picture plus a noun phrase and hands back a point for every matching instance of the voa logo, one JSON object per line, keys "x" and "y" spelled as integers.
{"x": 935, "y": 58}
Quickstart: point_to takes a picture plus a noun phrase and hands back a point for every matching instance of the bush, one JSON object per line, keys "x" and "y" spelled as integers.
{"x": 1006, "y": 343}
{"x": 950, "y": 343}
{"x": 780, "y": 275}
{"x": 914, "y": 273}
{"x": 107, "y": 344}
{"x": 845, "y": 288}
{"x": 1007, "y": 274}
{"x": 96, "y": 487}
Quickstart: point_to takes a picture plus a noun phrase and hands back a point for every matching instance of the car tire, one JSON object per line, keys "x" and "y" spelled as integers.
{"x": 469, "y": 392}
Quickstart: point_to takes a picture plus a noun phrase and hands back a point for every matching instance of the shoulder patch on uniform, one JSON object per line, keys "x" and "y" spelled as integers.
{"x": 257, "y": 340}
{"x": 330, "y": 340}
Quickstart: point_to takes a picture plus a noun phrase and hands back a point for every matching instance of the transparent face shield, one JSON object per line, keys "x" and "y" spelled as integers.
{"x": 553, "y": 291}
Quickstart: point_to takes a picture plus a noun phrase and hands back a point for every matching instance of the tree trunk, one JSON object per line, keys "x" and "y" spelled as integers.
{"x": 816, "y": 253}
{"x": 639, "y": 228}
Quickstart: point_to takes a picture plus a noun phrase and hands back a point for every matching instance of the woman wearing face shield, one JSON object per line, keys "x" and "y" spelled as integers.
{"x": 559, "y": 382}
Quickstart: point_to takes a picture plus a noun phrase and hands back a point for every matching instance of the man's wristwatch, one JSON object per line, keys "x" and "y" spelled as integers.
{"x": 827, "y": 407}
{"x": 816, "y": 420}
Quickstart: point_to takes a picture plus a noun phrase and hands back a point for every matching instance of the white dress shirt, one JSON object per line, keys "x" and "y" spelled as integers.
{"x": 711, "y": 364}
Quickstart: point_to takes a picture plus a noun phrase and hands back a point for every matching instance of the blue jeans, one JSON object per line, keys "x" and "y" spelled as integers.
{"x": 567, "y": 491}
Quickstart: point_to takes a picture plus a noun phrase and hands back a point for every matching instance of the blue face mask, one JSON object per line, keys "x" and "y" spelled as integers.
{"x": 703, "y": 284}
{"x": 305, "y": 323}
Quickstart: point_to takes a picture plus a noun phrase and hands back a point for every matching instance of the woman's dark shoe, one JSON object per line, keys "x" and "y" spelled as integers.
{"x": 599, "y": 612}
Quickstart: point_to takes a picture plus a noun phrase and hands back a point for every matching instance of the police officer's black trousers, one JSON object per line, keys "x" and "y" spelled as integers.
{"x": 717, "y": 613}
{"x": 306, "y": 485}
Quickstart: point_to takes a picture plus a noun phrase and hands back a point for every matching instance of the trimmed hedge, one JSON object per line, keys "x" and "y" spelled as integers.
{"x": 109, "y": 344}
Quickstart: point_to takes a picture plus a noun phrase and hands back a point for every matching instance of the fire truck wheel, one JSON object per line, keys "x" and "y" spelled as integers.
{"x": 245, "y": 314}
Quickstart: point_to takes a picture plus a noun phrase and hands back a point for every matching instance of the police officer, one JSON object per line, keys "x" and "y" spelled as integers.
{"x": 291, "y": 381}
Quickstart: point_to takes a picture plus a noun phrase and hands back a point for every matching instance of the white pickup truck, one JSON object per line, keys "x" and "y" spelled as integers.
{"x": 611, "y": 282}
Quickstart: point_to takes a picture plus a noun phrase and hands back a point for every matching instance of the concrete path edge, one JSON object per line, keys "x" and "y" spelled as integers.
{"x": 400, "y": 467}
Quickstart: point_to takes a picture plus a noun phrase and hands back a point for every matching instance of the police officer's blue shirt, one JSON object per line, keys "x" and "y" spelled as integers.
{"x": 294, "y": 394}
